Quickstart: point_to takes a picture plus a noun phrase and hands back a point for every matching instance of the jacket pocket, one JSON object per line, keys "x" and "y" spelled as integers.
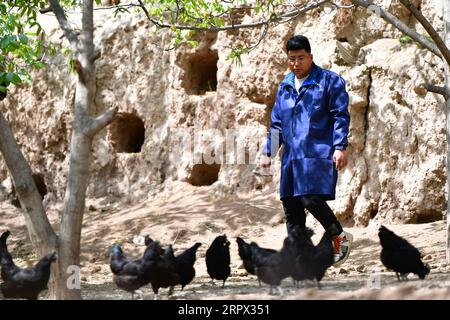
{"x": 319, "y": 143}
{"x": 318, "y": 150}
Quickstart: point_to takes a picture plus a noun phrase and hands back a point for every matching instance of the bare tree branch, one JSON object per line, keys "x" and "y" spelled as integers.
{"x": 97, "y": 124}
{"x": 45, "y": 10}
{"x": 429, "y": 28}
{"x": 263, "y": 35}
{"x": 290, "y": 14}
{"x": 119, "y": 6}
{"x": 399, "y": 25}
{"x": 436, "y": 89}
{"x": 64, "y": 24}
{"x": 274, "y": 18}
{"x": 125, "y": 5}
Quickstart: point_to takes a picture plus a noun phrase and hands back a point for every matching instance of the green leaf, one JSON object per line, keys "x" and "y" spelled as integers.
{"x": 23, "y": 38}
{"x": 13, "y": 78}
{"x": 71, "y": 65}
{"x": 4, "y": 43}
{"x": 67, "y": 51}
{"x": 405, "y": 39}
{"x": 52, "y": 49}
{"x": 192, "y": 43}
{"x": 39, "y": 65}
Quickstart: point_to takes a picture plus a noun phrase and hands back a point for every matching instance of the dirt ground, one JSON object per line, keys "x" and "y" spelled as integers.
{"x": 186, "y": 214}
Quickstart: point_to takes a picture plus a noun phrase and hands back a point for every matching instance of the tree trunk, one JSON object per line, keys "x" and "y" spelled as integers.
{"x": 72, "y": 218}
{"x": 446, "y": 17}
{"x": 80, "y": 152}
{"x": 40, "y": 231}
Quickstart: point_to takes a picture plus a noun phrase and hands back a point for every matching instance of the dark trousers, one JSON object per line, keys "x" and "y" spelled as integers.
{"x": 294, "y": 209}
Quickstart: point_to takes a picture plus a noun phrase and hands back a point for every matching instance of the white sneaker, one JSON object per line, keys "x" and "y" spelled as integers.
{"x": 342, "y": 246}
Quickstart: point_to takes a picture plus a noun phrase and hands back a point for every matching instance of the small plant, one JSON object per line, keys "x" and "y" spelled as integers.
{"x": 70, "y": 59}
{"x": 405, "y": 39}
{"x": 236, "y": 53}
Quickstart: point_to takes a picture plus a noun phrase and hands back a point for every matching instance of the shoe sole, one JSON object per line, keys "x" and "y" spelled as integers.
{"x": 350, "y": 242}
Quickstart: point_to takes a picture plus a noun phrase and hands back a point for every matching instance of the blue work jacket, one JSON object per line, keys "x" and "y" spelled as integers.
{"x": 310, "y": 124}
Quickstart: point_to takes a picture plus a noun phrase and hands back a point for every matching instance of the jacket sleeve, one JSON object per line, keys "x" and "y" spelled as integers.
{"x": 340, "y": 116}
{"x": 275, "y": 136}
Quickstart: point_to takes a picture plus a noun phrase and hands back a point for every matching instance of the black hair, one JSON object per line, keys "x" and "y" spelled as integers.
{"x": 297, "y": 43}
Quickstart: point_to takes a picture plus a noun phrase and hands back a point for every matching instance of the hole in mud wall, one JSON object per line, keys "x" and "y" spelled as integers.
{"x": 40, "y": 185}
{"x": 127, "y": 133}
{"x": 373, "y": 213}
{"x": 200, "y": 73}
{"x": 204, "y": 174}
{"x": 430, "y": 216}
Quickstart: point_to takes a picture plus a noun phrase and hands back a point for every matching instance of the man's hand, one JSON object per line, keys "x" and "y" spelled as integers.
{"x": 263, "y": 166}
{"x": 339, "y": 159}
{"x": 264, "y": 161}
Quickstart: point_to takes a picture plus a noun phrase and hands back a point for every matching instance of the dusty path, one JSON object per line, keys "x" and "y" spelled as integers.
{"x": 350, "y": 286}
{"x": 186, "y": 215}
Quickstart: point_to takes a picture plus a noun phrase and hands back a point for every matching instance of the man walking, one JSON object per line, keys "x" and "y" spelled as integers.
{"x": 311, "y": 119}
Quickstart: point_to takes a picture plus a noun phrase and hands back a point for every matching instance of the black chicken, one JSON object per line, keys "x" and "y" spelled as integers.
{"x": 6, "y": 256}
{"x": 23, "y": 283}
{"x": 147, "y": 240}
{"x": 164, "y": 274}
{"x": 272, "y": 268}
{"x": 184, "y": 264}
{"x": 311, "y": 261}
{"x": 218, "y": 259}
{"x": 130, "y": 275}
{"x": 245, "y": 252}
{"x": 399, "y": 255}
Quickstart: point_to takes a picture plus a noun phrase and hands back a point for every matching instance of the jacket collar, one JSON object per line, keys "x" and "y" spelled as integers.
{"x": 313, "y": 78}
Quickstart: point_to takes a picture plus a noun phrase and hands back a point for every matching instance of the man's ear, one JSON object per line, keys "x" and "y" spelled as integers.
{"x": 312, "y": 57}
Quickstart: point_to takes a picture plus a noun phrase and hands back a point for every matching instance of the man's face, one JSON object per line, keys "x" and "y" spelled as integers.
{"x": 300, "y": 62}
